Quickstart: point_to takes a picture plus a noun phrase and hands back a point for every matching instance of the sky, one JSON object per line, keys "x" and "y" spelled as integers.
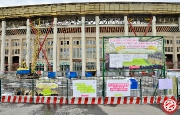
{"x": 6, "y": 3}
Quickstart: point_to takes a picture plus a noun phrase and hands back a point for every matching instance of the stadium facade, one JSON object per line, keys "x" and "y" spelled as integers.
{"x": 74, "y": 32}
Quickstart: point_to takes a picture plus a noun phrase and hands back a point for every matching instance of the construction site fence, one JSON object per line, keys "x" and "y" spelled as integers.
{"x": 147, "y": 86}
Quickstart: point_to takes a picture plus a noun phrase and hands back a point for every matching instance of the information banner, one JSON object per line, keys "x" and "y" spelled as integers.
{"x": 118, "y": 88}
{"x": 47, "y": 87}
{"x": 84, "y": 88}
{"x": 145, "y": 52}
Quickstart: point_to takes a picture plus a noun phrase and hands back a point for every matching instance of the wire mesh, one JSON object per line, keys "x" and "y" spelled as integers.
{"x": 63, "y": 87}
{"x": 16, "y": 87}
{"x": 149, "y": 84}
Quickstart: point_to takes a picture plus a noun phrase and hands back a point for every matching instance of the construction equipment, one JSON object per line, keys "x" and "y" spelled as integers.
{"x": 24, "y": 72}
{"x": 31, "y": 72}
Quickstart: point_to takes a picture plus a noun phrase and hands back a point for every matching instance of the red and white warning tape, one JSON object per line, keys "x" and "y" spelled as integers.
{"x": 84, "y": 100}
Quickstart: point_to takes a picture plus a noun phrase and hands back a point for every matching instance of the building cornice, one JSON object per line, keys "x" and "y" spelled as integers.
{"x": 89, "y": 8}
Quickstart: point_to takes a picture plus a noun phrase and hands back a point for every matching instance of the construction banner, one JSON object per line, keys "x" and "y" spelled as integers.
{"x": 118, "y": 88}
{"x": 141, "y": 52}
{"x": 47, "y": 87}
{"x": 84, "y": 88}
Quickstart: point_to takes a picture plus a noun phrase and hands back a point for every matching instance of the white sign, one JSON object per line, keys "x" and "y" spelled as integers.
{"x": 84, "y": 88}
{"x": 127, "y": 57}
{"x": 165, "y": 83}
{"x": 115, "y": 61}
{"x": 118, "y": 88}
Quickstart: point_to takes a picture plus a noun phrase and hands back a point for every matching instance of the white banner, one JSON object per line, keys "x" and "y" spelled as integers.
{"x": 84, "y": 88}
{"x": 118, "y": 88}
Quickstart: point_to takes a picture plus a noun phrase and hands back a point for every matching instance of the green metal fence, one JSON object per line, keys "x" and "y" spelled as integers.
{"x": 147, "y": 86}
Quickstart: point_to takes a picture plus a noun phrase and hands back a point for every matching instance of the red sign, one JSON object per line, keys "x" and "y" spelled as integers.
{"x": 170, "y": 106}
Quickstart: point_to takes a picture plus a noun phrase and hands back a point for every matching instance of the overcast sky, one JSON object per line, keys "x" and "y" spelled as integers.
{"x": 5, "y": 3}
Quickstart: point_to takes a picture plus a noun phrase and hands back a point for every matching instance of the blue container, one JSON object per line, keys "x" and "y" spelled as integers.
{"x": 134, "y": 84}
{"x": 72, "y": 75}
{"x": 88, "y": 74}
{"x": 23, "y": 72}
{"x": 52, "y": 75}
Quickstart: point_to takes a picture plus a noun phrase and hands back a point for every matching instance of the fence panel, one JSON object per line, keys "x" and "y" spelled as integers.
{"x": 144, "y": 86}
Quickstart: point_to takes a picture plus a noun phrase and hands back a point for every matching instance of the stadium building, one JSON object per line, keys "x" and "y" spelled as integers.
{"x": 73, "y": 32}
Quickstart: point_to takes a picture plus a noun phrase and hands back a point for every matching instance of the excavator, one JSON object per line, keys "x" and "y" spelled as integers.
{"x": 23, "y": 72}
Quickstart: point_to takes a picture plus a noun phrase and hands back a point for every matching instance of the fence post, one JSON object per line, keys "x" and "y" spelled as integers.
{"x": 103, "y": 72}
{"x": 141, "y": 91}
{"x": 0, "y": 90}
{"x": 177, "y": 89}
{"x": 33, "y": 90}
{"x": 67, "y": 91}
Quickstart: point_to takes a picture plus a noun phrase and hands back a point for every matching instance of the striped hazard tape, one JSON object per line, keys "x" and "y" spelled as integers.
{"x": 85, "y": 100}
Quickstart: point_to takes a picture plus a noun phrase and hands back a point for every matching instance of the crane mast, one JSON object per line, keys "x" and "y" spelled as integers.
{"x": 36, "y": 48}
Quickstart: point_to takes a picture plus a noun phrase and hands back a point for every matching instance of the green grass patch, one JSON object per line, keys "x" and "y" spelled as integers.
{"x": 137, "y": 62}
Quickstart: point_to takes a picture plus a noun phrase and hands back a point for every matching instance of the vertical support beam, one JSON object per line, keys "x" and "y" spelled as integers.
{"x": 83, "y": 44}
{"x": 125, "y": 26}
{"x": 55, "y": 45}
{"x": 175, "y": 59}
{"x": 179, "y": 22}
{"x": 58, "y": 55}
{"x": 3, "y": 45}
{"x": 21, "y": 50}
{"x": 71, "y": 53}
{"x": 45, "y": 66}
{"x": 154, "y": 26}
{"x": 33, "y": 41}
{"x": 9, "y": 55}
{"x": 97, "y": 47}
{"x": 28, "y": 33}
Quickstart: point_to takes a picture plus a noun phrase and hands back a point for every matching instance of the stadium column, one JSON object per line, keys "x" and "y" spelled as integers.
{"x": 175, "y": 59}
{"x": 55, "y": 45}
{"x": 83, "y": 46}
{"x": 125, "y": 26}
{"x": 3, "y": 36}
{"x": 20, "y": 51}
{"x": 179, "y": 22}
{"x": 9, "y": 55}
{"x": 154, "y": 26}
{"x": 58, "y": 56}
{"x": 28, "y": 33}
{"x": 97, "y": 47}
{"x": 71, "y": 53}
